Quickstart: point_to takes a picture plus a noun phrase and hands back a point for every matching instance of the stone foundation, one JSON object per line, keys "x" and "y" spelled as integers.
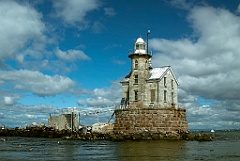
{"x": 164, "y": 120}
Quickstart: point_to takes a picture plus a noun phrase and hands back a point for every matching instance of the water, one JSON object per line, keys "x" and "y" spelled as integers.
{"x": 225, "y": 147}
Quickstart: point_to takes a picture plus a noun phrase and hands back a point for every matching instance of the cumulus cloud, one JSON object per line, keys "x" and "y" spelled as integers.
{"x": 36, "y": 82}
{"x": 208, "y": 65}
{"x": 71, "y": 55}
{"x": 98, "y": 102}
{"x": 216, "y": 116}
{"x": 16, "y": 115}
{"x": 73, "y": 12}
{"x": 8, "y": 100}
{"x": 102, "y": 97}
{"x": 21, "y": 26}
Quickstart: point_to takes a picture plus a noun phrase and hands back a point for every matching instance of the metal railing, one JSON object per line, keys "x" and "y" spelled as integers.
{"x": 131, "y": 52}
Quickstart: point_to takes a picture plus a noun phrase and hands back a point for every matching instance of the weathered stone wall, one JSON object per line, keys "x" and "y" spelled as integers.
{"x": 154, "y": 120}
{"x": 63, "y": 122}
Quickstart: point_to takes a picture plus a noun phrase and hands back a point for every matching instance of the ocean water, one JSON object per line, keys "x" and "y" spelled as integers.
{"x": 224, "y": 147}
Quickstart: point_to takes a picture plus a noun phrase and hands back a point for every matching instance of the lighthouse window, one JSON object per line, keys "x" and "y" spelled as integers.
{"x": 136, "y": 64}
{"x": 152, "y": 95}
{"x": 165, "y": 96}
{"x": 172, "y": 98}
{"x": 137, "y": 46}
{"x": 165, "y": 81}
{"x": 136, "y": 95}
{"x": 136, "y": 79}
{"x": 142, "y": 46}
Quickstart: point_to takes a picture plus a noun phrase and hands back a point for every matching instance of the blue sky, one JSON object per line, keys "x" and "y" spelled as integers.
{"x": 73, "y": 53}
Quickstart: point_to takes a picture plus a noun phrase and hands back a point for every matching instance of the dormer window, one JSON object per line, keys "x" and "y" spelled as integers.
{"x": 136, "y": 64}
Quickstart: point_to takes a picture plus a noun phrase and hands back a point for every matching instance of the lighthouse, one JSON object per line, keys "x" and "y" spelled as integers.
{"x": 139, "y": 72}
{"x": 145, "y": 86}
{"x": 149, "y": 96}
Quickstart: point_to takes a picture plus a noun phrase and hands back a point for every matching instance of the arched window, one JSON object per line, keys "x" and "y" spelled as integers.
{"x": 136, "y": 64}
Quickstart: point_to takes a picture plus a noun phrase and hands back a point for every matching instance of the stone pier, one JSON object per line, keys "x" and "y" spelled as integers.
{"x": 164, "y": 120}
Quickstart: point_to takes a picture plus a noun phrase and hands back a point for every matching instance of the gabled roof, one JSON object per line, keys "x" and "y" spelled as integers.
{"x": 159, "y": 73}
{"x": 156, "y": 74}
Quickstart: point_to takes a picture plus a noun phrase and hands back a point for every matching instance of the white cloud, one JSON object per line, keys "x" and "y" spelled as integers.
{"x": 101, "y": 97}
{"x": 8, "y": 100}
{"x": 81, "y": 102}
{"x": 109, "y": 11}
{"x": 20, "y": 26}
{"x": 238, "y": 9}
{"x": 30, "y": 116}
{"x": 210, "y": 62}
{"x": 208, "y": 66}
{"x": 215, "y": 116}
{"x": 97, "y": 27}
{"x": 182, "y": 4}
{"x": 119, "y": 62}
{"x": 36, "y": 82}
{"x": 185, "y": 4}
{"x": 98, "y": 102}
{"x": 16, "y": 115}
{"x": 73, "y": 12}
{"x": 71, "y": 55}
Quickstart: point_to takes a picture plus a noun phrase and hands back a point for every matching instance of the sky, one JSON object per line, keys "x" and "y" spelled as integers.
{"x": 71, "y": 55}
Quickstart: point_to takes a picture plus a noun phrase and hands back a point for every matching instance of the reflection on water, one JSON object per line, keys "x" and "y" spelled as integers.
{"x": 19, "y": 148}
{"x": 47, "y": 149}
{"x": 151, "y": 150}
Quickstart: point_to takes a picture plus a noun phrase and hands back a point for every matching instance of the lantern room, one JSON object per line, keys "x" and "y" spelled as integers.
{"x": 140, "y": 46}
